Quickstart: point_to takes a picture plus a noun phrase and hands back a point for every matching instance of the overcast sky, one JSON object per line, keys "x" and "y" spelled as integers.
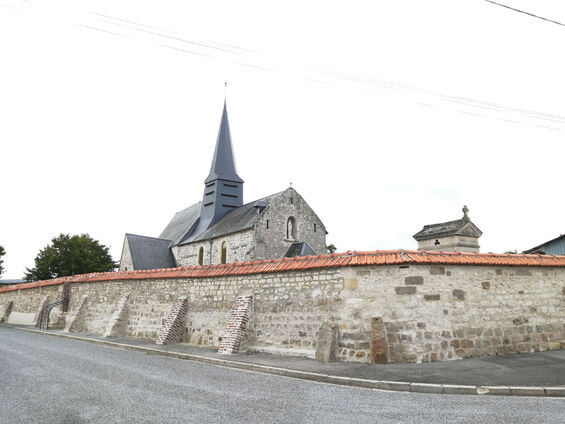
{"x": 384, "y": 115}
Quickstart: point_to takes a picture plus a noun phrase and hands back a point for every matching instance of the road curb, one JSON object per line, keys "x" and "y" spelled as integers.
{"x": 399, "y": 386}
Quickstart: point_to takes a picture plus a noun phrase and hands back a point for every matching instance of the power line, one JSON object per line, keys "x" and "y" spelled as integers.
{"x": 525, "y": 13}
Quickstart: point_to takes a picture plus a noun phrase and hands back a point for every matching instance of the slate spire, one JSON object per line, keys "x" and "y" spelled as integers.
{"x": 223, "y": 162}
{"x": 223, "y": 189}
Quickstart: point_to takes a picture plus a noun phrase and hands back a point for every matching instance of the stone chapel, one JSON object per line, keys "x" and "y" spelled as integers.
{"x": 221, "y": 229}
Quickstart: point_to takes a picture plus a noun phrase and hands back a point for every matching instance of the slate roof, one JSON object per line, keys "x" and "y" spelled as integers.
{"x": 181, "y": 223}
{"x": 335, "y": 260}
{"x": 239, "y": 219}
{"x": 223, "y": 163}
{"x": 447, "y": 229}
{"x": 150, "y": 252}
{"x": 299, "y": 249}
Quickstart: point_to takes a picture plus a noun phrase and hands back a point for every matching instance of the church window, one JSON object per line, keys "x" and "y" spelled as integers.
{"x": 291, "y": 200}
{"x": 437, "y": 243}
{"x": 291, "y": 228}
{"x": 267, "y": 224}
{"x": 224, "y": 252}
{"x": 201, "y": 256}
{"x": 314, "y": 227}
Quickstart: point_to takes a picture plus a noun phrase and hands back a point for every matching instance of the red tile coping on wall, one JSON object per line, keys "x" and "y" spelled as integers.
{"x": 349, "y": 258}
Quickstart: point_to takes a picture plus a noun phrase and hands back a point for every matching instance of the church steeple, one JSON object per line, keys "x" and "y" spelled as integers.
{"x": 223, "y": 189}
{"x": 223, "y": 162}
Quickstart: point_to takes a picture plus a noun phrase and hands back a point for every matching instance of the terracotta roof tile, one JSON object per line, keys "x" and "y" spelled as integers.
{"x": 349, "y": 258}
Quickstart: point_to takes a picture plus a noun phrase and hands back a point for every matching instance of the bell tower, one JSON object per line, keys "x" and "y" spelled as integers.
{"x": 223, "y": 189}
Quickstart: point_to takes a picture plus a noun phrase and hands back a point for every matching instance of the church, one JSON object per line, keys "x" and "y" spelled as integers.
{"x": 222, "y": 229}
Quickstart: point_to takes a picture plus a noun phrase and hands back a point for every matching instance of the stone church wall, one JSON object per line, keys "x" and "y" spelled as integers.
{"x": 240, "y": 248}
{"x": 428, "y": 312}
{"x": 126, "y": 262}
{"x": 263, "y": 241}
{"x": 272, "y": 240}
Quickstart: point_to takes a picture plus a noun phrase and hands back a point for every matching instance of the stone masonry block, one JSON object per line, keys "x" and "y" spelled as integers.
{"x": 437, "y": 270}
{"x": 327, "y": 342}
{"x": 415, "y": 280}
{"x": 405, "y": 290}
{"x": 458, "y": 294}
{"x": 379, "y": 342}
{"x": 430, "y": 297}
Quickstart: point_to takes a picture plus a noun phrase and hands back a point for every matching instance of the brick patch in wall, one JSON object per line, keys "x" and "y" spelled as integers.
{"x": 173, "y": 328}
{"x": 116, "y": 326}
{"x": 236, "y": 328}
{"x": 6, "y": 311}
{"x": 37, "y": 317}
{"x": 75, "y": 321}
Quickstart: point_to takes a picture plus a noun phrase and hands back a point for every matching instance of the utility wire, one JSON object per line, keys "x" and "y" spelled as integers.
{"x": 525, "y": 13}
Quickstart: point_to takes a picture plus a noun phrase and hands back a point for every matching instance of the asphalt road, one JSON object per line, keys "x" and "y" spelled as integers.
{"x": 45, "y": 379}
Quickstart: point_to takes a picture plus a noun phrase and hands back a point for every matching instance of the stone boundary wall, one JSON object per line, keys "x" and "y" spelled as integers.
{"x": 76, "y": 318}
{"x": 116, "y": 326}
{"x": 434, "y": 313}
{"x": 40, "y": 316}
{"x": 429, "y": 312}
{"x": 6, "y": 310}
{"x": 289, "y": 306}
{"x": 27, "y": 303}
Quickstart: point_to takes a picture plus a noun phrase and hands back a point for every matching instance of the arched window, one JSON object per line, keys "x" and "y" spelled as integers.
{"x": 224, "y": 252}
{"x": 201, "y": 256}
{"x": 291, "y": 228}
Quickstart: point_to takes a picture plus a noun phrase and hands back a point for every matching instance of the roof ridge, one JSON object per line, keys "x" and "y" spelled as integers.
{"x": 139, "y": 235}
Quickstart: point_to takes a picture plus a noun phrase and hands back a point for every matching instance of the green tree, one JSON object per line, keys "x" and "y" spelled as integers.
{"x": 70, "y": 255}
{"x": 2, "y": 253}
{"x": 331, "y": 248}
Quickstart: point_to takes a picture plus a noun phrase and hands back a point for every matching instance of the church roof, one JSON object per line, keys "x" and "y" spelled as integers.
{"x": 299, "y": 249}
{"x": 181, "y": 223}
{"x": 239, "y": 219}
{"x": 462, "y": 226}
{"x": 223, "y": 163}
{"x": 150, "y": 252}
